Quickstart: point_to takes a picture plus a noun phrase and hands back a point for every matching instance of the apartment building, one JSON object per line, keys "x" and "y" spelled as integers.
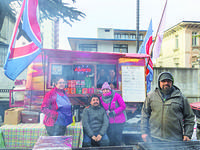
{"x": 181, "y": 46}
{"x": 108, "y": 40}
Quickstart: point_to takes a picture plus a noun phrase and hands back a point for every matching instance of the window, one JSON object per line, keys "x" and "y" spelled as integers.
{"x": 120, "y": 48}
{"x": 133, "y": 36}
{"x": 194, "y": 38}
{"x": 106, "y": 73}
{"x": 176, "y": 41}
{"x": 3, "y": 54}
{"x": 79, "y": 76}
{"x": 124, "y": 36}
{"x": 141, "y": 37}
{"x": 76, "y": 75}
{"x": 117, "y": 36}
{"x": 88, "y": 47}
{"x": 107, "y": 30}
{"x": 4, "y": 31}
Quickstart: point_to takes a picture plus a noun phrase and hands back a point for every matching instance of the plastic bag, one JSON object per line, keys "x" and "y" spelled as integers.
{"x": 2, "y": 145}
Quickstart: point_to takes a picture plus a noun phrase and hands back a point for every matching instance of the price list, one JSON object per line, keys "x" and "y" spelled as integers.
{"x": 133, "y": 83}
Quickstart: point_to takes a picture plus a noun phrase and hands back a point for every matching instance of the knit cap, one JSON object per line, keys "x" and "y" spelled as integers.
{"x": 106, "y": 86}
{"x": 165, "y": 76}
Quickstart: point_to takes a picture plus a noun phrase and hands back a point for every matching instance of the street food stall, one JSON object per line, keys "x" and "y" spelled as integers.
{"x": 85, "y": 72}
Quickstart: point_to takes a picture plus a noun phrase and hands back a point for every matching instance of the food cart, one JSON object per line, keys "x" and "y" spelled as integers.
{"x": 82, "y": 71}
{"x": 85, "y": 73}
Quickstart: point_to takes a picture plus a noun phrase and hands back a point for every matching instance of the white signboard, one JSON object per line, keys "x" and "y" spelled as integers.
{"x": 133, "y": 83}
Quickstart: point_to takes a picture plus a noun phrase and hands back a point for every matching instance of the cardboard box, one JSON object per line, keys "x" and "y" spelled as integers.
{"x": 78, "y": 91}
{"x": 84, "y": 90}
{"x": 72, "y": 91}
{"x": 90, "y": 90}
{"x": 67, "y": 90}
{"x": 13, "y": 116}
{"x": 71, "y": 83}
{"x": 82, "y": 83}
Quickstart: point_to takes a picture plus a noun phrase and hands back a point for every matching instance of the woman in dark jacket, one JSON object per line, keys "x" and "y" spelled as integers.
{"x": 57, "y": 109}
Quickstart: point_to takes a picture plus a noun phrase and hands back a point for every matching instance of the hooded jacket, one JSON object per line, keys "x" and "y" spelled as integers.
{"x": 167, "y": 120}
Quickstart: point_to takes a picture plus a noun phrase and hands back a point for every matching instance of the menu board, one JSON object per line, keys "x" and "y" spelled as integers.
{"x": 133, "y": 83}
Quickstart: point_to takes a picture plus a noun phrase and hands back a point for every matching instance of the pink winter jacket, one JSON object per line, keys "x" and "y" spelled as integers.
{"x": 118, "y": 106}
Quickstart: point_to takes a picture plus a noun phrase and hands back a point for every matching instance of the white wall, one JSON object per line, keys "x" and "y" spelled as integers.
{"x": 47, "y": 29}
{"x": 105, "y": 46}
{"x": 186, "y": 79}
{"x": 101, "y": 33}
{"x": 6, "y": 83}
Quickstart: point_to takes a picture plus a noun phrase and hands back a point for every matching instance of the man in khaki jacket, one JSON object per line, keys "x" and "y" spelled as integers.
{"x": 166, "y": 113}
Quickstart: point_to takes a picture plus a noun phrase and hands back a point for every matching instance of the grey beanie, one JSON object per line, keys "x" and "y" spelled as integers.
{"x": 165, "y": 76}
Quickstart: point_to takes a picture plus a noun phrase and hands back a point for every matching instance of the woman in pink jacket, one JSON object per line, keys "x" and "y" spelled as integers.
{"x": 115, "y": 108}
{"x": 57, "y": 109}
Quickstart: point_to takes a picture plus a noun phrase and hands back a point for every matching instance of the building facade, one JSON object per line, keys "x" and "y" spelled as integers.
{"x": 48, "y": 30}
{"x": 108, "y": 40}
{"x": 5, "y": 35}
{"x": 181, "y": 46}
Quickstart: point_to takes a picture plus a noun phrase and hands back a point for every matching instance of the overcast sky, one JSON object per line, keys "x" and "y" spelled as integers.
{"x": 121, "y": 14}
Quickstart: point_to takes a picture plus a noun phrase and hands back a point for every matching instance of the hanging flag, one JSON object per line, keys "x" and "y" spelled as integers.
{"x": 25, "y": 43}
{"x": 159, "y": 36}
{"x": 145, "y": 48}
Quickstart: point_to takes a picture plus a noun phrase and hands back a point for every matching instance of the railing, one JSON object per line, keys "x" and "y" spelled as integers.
{"x": 4, "y": 94}
{"x": 4, "y": 90}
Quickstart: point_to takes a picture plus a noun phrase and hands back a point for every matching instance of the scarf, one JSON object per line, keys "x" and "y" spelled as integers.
{"x": 109, "y": 97}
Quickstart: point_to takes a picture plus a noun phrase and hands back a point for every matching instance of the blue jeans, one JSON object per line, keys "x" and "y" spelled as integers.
{"x": 89, "y": 142}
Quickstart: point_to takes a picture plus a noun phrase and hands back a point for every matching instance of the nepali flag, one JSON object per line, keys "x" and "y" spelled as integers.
{"x": 145, "y": 48}
{"x": 25, "y": 43}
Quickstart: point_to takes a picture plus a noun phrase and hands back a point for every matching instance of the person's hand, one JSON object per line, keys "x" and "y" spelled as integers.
{"x": 145, "y": 137}
{"x": 98, "y": 137}
{"x": 94, "y": 138}
{"x": 111, "y": 114}
{"x": 186, "y": 138}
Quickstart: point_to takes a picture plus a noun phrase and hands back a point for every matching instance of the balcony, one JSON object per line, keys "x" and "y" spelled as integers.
{"x": 195, "y": 47}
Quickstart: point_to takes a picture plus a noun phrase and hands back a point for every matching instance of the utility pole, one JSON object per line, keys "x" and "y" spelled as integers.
{"x": 137, "y": 25}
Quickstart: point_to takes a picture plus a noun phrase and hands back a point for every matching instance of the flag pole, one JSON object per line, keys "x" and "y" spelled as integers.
{"x": 156, "y": 34}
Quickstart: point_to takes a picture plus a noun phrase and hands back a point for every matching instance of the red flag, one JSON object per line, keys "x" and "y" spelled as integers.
{"x": 145, "y": 49}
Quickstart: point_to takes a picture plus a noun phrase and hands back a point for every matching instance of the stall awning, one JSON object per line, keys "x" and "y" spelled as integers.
{"x": 57, "y": 53}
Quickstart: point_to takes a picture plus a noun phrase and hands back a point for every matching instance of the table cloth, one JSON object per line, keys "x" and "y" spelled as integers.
{"x": 26, "y": 135}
